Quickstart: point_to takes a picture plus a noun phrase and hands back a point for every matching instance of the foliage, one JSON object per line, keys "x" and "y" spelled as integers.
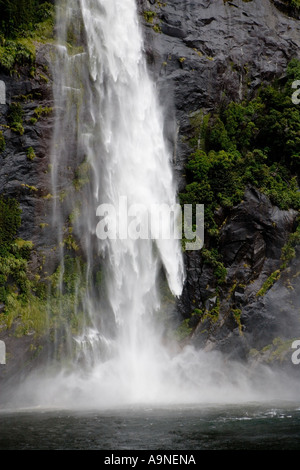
{"x": 19, "y": 16}
{"x": 256, "y": 143}
{"x": 22, "y": 24}
{"x": 293, "y": 3}
{"x": 14, "y": 53}
{"x": 213, "y": 258}
{"x": 41, "y": 307}
{"x": 184, "y": 330}
{"x": 42, "y": 111}
{"x": 149, "y": 16}
{"x": 82, "y": 175}
{"x": 30, "y": 153}
{"x": 14, "y": 253}
{"x": 2, "y": 142}
{"x": 269, "y": 283}
{"x": 10, "y": 220}
{"x": 288, "y": 251}
{"x": 252, "y": 143}
{"x": 15, "y": 118}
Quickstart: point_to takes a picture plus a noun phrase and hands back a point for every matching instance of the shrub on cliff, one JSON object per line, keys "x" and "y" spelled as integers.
{"x": 22, "y": 15}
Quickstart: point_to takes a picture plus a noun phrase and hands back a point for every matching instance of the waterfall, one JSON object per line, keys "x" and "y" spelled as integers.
{"x": 113, "y": 298}
{"x": 109, "y": 124}
{"x": 108, "y": 307}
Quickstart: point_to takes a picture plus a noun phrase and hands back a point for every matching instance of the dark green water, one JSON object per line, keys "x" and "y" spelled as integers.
{"x": 221, "y": 427}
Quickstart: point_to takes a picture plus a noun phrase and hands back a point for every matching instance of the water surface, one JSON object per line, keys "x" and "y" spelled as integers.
{"x": 250, "y": 426}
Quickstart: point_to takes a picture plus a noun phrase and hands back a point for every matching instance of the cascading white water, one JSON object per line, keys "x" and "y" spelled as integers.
{"x": 108, "y": 111}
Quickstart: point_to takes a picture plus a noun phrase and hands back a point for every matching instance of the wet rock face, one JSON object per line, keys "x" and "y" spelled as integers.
{"x": 210, "y": 51}
{"x": 25, "y": 162}
{"x": 251, "y": 243}
{"x": 255, "y": 231}
{"x": 204, "y": 53}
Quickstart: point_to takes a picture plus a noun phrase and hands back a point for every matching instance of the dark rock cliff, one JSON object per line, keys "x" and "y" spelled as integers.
{"x": 201, "y": 53}
{"x": 204, "y": 54}
{"x": 23, "y": 177}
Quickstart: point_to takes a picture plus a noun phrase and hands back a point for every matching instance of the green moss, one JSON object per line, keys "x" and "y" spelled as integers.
{"x": 237, "y": 316}
{"x": 277, "y": 351}
{"x": 29, "y": 187}
{"x": 22, "y": 248}
{"x": 269, "y": 283}
{"x": 15, "y": 118}
{"x": 70, "y": 243}
{"x": 184, "y": 330}
{"x": 75, "y": 214}
{"x": 82, "y": 175}
{"x": 288, "y": 251}
{"x": 30, "y": 153}
{"x": 157, "y": 28}
{"x": 40, "y": 111}
{"x": 292, "y": 3}
{"x": 2, "y": 142}
{"x": 10, "y": 220}
{"x": 149, "y": 16}
{"x": 45, "y": 306}
{"x": 212, "y": 258}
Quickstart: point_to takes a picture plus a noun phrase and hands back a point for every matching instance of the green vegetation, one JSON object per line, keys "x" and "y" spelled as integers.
{"x": 212, "y": 258}
{"x": 12, "y": 262}
{"x": 30, "y": 153}
{"x": 184, "y": 330}
{"x": 23, "y": 22}
{"x": 40, "y": 112}
{"x": 38, "y": 313}
{"x": 288, "y": 251}
{"x": 18, "y": 17}
{"x": 269, "y": 283}
{"x": 293, "y": 3}
{"x": 151, "y": 18}
{"x": 237, "y": 316}
{"x": 15, "y": 118}
{"x": 254, "y": 143}
{"x": 10, "y": 220}
{"x": 82, "y": 175}
{"x": 14, "y": 53}
{"x": 278, "y": 351}
{"x": 38, "y": 305}
{"x": 2, "y": 142}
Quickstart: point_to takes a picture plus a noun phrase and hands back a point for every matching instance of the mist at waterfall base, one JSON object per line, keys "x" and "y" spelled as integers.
{"x": 119, "y": 128}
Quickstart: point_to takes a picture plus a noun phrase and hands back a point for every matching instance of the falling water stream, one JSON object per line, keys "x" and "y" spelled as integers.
{"x": 108, "y": 108}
